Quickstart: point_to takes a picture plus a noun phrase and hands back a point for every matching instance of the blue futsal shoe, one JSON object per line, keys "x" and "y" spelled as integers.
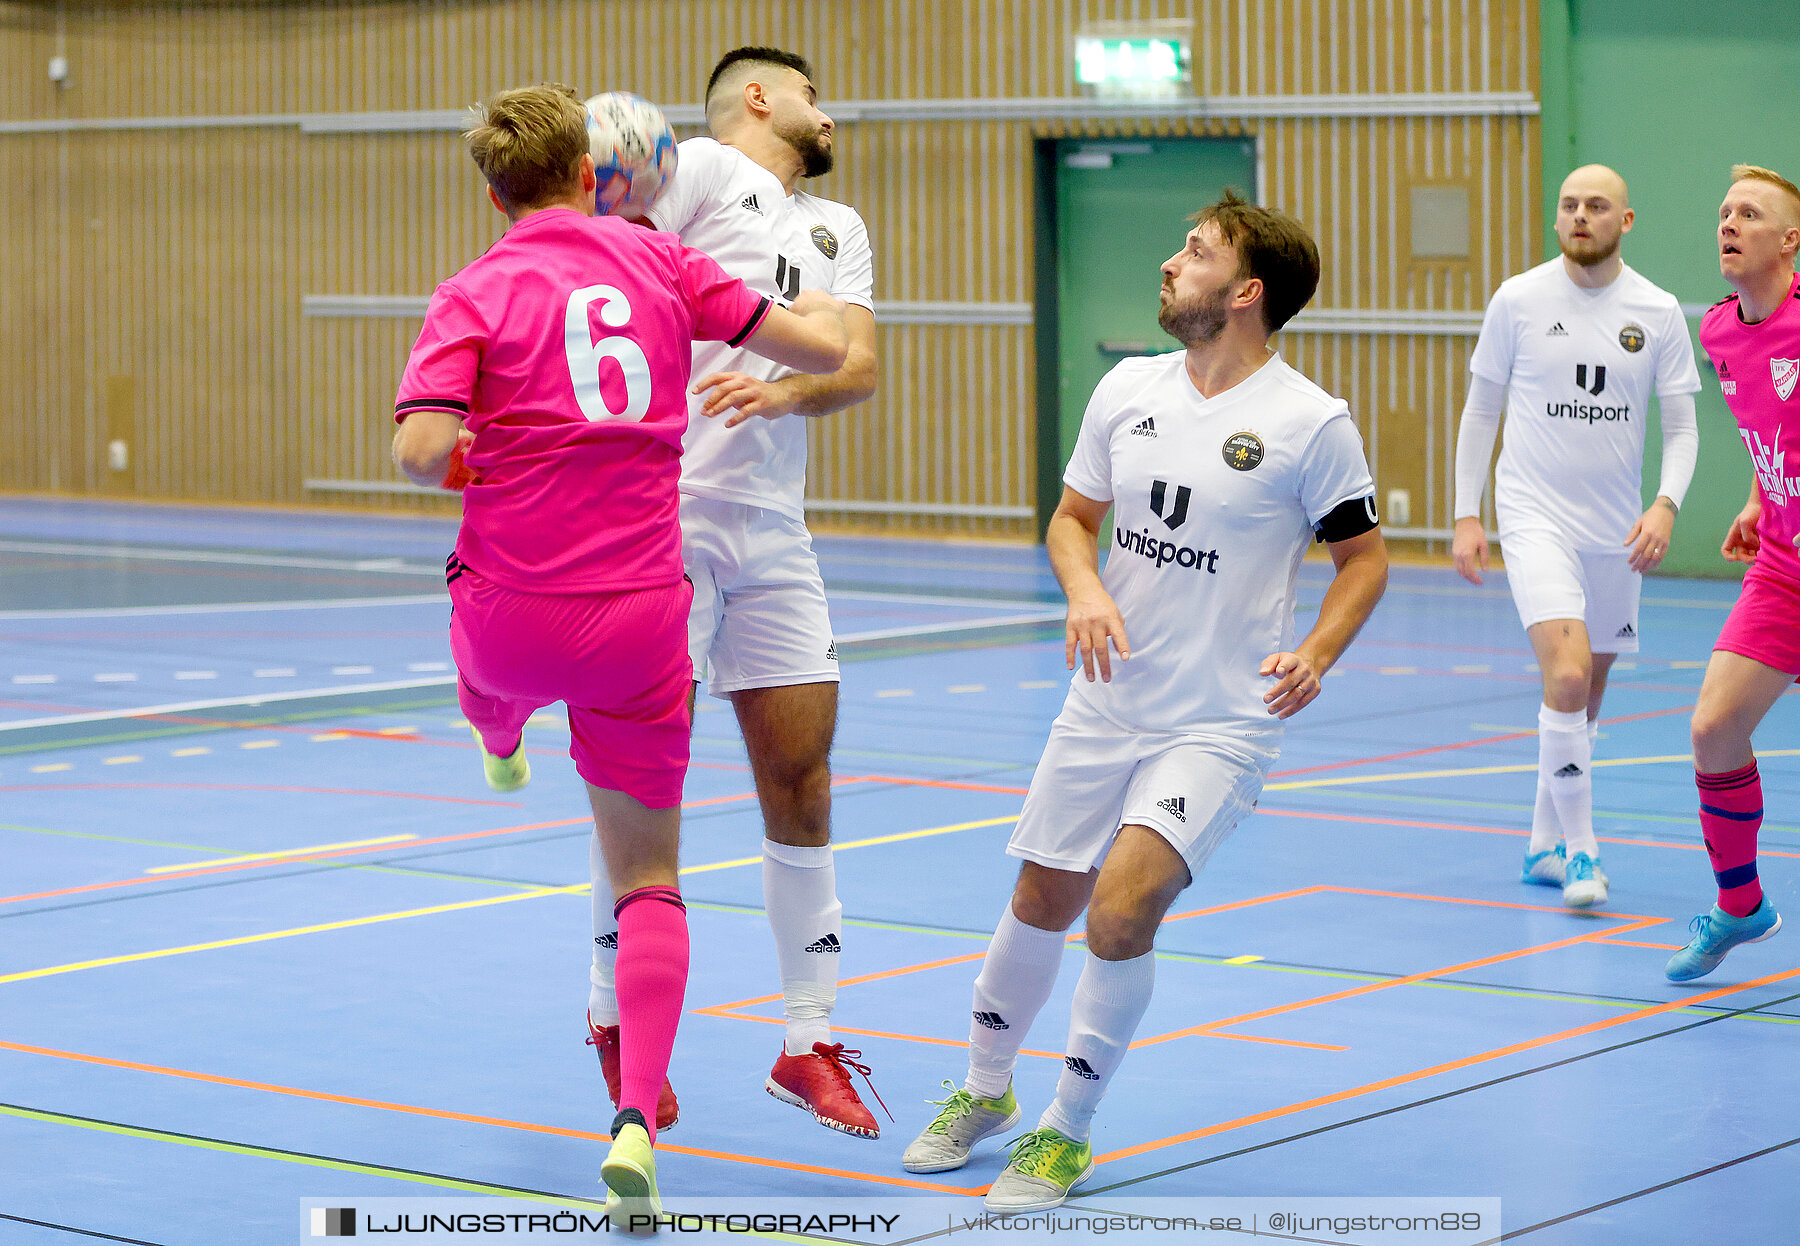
{"x": 1715, "y": 934}
{"x": 1584, "y": 882}
{"x": 1545, "y": 869}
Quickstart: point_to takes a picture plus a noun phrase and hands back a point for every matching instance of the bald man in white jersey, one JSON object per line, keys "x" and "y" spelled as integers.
{"x": 1571, "y": 350}
{"x": 759, "y": 633}
{"x": 1221, "y": 464}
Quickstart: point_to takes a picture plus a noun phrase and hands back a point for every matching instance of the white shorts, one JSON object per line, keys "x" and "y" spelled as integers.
{"x": 759, "y": 618}
{"x": 1096, "y": 777}
{"x": 1551, "y": 580}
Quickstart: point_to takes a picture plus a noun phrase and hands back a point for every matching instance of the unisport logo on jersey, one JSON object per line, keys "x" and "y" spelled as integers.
{"x": 1589, "y": 380}
{"x": 1172, "y": 510}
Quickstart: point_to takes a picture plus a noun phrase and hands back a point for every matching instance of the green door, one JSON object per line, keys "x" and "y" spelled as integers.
{"x": 1120, "y": 210}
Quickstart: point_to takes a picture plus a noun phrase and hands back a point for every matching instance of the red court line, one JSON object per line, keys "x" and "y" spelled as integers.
{"x": 290, "y": 858}
{"x": 1490, "y": 739}
{"x": 468, "y": 1118}
{"x": 1493, "y": 830}
{"x": 247, "y": 787}
{"x": 942, "y": 783}
{"x": 1449, "y": 1066}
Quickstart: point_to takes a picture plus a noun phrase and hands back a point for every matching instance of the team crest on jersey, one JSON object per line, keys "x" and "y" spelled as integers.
{"x": 1631, "y": 338}
{"x": 825, "y": 240}
{"x": 1784, "y": 372}
{"x": 1243, "y": 451}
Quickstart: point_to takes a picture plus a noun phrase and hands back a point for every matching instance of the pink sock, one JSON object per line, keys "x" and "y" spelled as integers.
{"x": 650, "y": 979}
{"x": 1731, "y": 811}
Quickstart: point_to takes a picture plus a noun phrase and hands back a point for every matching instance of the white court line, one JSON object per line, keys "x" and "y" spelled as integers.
{"x": 892, "y": 633}
{"x": 286, "y": 852}
{"x": 232, "y": 607}
{"x": 394, "y": 566}
{"x": 973, "y": 603}
{"x": 183, "y": 707}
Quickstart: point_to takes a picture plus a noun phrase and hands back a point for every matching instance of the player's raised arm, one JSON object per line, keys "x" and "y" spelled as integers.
{"x": 808, "y": 334}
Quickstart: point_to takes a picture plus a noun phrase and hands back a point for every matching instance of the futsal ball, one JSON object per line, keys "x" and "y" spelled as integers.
{"x": 633, "y": 149}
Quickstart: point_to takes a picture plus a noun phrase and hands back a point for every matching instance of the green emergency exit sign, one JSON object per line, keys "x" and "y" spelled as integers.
{"x": 1129, "y": 64}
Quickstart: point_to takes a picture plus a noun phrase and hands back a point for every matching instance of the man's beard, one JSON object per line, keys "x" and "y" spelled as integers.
{"x": 1587, "y": 252}
{"x": 1199, "y": 320}
{"x": 811, "y": 146}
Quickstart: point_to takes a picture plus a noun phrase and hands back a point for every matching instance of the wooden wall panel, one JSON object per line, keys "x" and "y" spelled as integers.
{"x": 166, "y": 268}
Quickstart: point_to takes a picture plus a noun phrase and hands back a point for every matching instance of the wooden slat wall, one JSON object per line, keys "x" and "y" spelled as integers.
{"x": 156, "y": 278}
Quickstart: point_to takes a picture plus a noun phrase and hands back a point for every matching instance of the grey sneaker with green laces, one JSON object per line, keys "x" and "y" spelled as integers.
{"x": 953, "y": 1133}
{"x": 1044, "y": 1167}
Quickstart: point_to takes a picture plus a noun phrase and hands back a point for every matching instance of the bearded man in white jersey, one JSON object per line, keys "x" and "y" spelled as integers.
{"x": 1571, "y": 350}
{"x": 759, "y": 630}
{"x": 1221, "y": 464}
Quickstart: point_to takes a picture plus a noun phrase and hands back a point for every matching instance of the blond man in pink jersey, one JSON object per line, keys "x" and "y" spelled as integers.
{"x": 1752, "y": 337}
{"x": 560, "y": 361}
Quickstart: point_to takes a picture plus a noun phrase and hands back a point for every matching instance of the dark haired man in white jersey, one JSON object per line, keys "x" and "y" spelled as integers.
{"x": 1221, "y": 464}
{"x": 759, "y": 631}
{"x": 1571, "y": 350}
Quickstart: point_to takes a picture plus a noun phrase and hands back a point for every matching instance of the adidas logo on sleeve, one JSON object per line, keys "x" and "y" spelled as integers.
{"x": 1175, "y": 807}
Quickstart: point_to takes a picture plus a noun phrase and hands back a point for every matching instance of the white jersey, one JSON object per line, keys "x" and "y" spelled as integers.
{"x": 1214, "y": 502}
{"x": 725, "y": 204}
{"x": 1579, "y": 366}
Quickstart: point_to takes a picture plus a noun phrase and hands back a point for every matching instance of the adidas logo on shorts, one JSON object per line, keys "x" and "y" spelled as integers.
{"x": 831, "y": 652}
{"x": 609, "y": 940}
{"x": 1146, "y": 429}
{"x": 1556, "y": 330}
{"x": 1628, "y": 632}
{"x": 1174, "y": 806}
{"x": 828, "y": 944}
{"x": 992, "y": 1020}
{"x": 1080, "y": 1068}
{"x": 750, "y": 203}
{"x": 1570, "y": 771}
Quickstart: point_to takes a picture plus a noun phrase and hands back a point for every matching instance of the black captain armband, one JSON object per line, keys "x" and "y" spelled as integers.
{"x": 1348, "y": 518}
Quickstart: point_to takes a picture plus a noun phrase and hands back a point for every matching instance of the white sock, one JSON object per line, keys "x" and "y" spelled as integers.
{"x": 1565, "y": 766}
{"x": 603, "y": 1005}
{"x": 800, "y": 895}
{"x": 1016, "y": 978}
{"x": 1546, "y": 831}
{"x": 1109, "y": 1002}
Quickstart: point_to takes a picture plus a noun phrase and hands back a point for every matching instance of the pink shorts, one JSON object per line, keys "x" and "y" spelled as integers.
{"x": 1764, "y": 626}
{"x": 619, "y": 661}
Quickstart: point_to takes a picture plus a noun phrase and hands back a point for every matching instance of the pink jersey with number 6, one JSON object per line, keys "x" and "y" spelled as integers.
{"x": 566, "y": 349}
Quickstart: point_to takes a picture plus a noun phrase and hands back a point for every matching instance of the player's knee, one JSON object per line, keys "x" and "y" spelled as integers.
{"x": 1116, "y": 932}
{"x": 1566, "y": 685}
{"x": 1715, "y": 733}
{"x": 1048, "y": 899}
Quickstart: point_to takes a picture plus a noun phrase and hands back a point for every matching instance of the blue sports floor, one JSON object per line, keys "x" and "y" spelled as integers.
{"x": 266, "y": 936}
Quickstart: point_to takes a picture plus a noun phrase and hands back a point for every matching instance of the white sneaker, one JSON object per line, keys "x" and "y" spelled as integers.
{"x": 953, "y": 1133}
{"x": 1584, "y": 884}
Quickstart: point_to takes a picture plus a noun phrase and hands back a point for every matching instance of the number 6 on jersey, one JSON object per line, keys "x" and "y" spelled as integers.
{"x": 586, "y": 355}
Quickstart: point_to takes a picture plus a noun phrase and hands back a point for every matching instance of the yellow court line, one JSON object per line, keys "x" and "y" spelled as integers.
{"x": 241, "y": 940}
{"x": 350, "y": 923}
{"x": 286, "y": 852}
{"x": 1520, "y": 769}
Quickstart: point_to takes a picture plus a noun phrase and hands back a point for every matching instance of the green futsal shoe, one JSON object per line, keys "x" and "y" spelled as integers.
{"x": 965, "y": 1120}
{"x": 1044, "y": 1167}
{"x": 504, "y": 774}
{"x": 629, "y": 1172}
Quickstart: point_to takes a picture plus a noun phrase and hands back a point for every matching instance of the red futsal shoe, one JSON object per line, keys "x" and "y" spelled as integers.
{"x": 605, "y": 1040}
{"x": 820, "y": 1083}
